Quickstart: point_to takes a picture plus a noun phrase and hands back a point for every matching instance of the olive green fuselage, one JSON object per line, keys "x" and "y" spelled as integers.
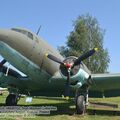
{"x": 29, "y": 56}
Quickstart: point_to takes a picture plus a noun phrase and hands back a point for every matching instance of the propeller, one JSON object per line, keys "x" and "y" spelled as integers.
{"x": 85, "y": 56}
{"x": 55, "y": 59}
{"x": 69, "y": 66}
{"x": 67, "y": 85}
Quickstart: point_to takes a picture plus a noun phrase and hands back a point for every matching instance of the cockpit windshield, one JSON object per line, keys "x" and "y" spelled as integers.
{"x": 25, "y": 32}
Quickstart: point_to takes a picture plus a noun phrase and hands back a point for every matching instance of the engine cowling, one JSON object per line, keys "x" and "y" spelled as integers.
{"x": 78, "y": 74}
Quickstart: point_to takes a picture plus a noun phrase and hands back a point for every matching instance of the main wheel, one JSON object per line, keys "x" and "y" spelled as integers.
{"x": 80, "y": 104}
{"x": 11, "y": 100}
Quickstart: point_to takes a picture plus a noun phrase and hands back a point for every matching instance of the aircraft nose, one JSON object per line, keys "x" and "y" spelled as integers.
{"x": 3, "y": 35}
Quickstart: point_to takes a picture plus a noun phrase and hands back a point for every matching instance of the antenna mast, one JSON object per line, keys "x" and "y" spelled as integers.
{"x": 38, "y": 30}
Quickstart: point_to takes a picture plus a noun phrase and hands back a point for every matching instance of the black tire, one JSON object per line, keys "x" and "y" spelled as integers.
{"x": 80, "y": 104}
{"x": 11, "y": 100}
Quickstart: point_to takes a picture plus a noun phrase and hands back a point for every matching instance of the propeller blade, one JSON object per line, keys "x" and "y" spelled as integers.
{"x": 2, "y": 62}
{"x": 67, "y": 85}
{"x": 55, "y": 59}
{"x": 85, "y": 56}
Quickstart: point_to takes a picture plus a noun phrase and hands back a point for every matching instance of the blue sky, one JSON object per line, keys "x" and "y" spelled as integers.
{"x": 56, "y": 18}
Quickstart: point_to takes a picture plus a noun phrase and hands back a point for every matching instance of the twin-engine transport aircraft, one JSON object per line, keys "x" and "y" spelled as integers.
{"x": 47, "y": 72}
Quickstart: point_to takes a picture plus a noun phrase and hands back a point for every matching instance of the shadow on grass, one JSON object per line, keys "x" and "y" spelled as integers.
{"x": 2, "y": 104}
{"x": 103, "y": 112}
{"x": 62, "y": 108}
{"x": 66, "y": 109}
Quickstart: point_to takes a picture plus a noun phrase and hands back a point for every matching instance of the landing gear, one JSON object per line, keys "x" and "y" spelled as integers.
{"x": 11, "y": 100}
{"x": 80, "y": 104}
{"x": 81, "y": 99}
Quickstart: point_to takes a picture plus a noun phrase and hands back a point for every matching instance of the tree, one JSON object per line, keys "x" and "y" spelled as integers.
{"x": 86, "y": 35}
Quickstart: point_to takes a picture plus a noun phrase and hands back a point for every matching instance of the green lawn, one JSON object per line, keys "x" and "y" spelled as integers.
{"x": 66, "y": 109}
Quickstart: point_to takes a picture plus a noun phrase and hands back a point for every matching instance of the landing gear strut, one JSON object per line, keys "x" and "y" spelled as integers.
{"x": 11, "y": 100}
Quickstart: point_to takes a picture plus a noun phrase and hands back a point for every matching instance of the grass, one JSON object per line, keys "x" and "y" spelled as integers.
{"x": 66, "y": 109}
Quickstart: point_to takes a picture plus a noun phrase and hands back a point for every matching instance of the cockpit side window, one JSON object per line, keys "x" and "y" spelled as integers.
{"x": 27, "y": 33}
{"x": 30, "y": 35}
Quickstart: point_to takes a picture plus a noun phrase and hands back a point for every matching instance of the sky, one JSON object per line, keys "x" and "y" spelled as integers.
{"x": 56, "y": 18}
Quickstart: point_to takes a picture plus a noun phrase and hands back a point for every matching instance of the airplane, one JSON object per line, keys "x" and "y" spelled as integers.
{"x": 47, "y": 72}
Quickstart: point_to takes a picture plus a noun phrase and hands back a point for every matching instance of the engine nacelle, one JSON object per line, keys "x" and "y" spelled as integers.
{"x": 78, "y": 73}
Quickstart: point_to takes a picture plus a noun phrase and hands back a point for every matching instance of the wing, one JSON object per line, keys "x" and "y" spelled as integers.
{"x": 6, "y": 81}
{"x": 102, "y": 82}
{"x": 10, "y": 77}
{"x": 106, "y": 81}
